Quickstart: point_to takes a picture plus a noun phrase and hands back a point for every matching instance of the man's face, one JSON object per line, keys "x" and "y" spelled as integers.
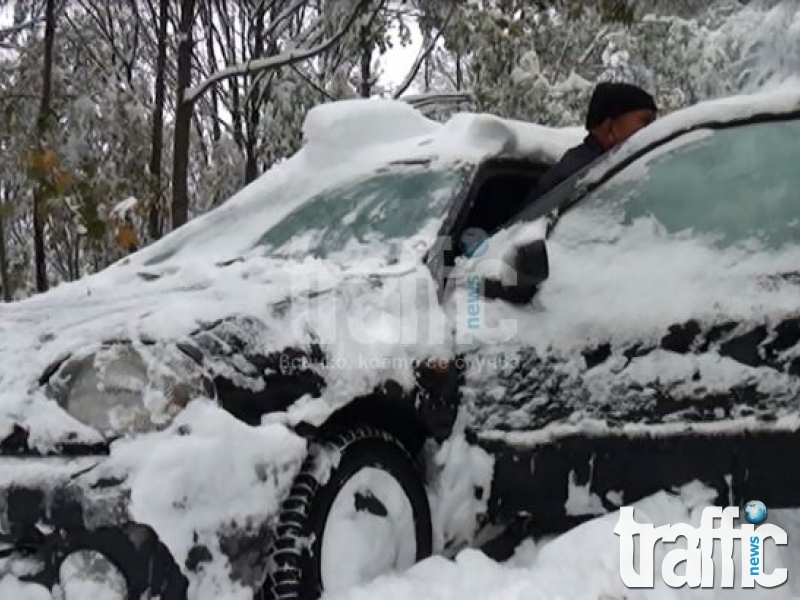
{"x": 624, "y": 126}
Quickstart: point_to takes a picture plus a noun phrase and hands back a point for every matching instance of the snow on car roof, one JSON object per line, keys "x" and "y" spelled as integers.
{"x": 350, "y": 139}
{"x": 354, "y": 126}
{"x": 346, "y": 141}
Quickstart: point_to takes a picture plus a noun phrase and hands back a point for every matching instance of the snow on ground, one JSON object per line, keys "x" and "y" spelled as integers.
{"x": 582, "y": 564}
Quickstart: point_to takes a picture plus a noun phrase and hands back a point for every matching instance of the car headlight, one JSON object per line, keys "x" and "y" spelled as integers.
{"x": 119, "y": 390}
{"x": 87, "y": 573}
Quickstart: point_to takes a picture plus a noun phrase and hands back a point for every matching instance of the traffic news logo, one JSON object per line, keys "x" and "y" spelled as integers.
{"x": 698, "y": 553}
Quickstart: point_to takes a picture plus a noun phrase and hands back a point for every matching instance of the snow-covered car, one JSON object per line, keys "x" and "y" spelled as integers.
{"x": 376, "y": 352}
{"x": 217, "y": 411}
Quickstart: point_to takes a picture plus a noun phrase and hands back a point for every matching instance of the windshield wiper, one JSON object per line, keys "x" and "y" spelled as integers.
{"x": 229, "y": 262}
{"x": 412, "y": 161}
{"x": 148, "y": 276}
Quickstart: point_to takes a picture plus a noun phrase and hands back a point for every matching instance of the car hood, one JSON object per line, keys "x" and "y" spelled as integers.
{"x": 349, "y": 311}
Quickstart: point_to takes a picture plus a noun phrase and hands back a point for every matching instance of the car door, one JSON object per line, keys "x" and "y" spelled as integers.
{"x": 664, "y": 347}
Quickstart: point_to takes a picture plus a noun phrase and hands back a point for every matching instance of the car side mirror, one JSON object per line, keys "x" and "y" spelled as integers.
{"x": 532, "y": 263}
{"x": 532, "y": 268}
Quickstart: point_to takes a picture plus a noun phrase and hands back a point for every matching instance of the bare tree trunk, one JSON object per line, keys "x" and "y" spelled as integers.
{"x": 208, "y": 14}
{"x": 39, "y": 199}
{"x": 229, "y": 54}
{"x": 236, "y": 113}
{"x": 183, "y": 118}
{"x": 254, "y": 102}
{"x": 427, "y": 74}
{"x": 459, "y": 74}
{"x": 76, "y": 258}
{"x": 5, "y": 282}
{"x": 365, "y": 89}
{"x": 154, "y": 220}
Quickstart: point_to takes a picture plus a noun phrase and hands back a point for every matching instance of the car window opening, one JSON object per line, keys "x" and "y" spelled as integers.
{"x": 500, "y": 196}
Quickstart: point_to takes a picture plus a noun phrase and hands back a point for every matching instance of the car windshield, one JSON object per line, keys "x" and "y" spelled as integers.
{"x": 735, "y": 186}
{"x": 387, "y": 207}
{"x": 369, "y": 214}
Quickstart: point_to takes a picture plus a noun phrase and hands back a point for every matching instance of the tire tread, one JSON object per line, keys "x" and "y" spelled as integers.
{"x": 286, "y": 554}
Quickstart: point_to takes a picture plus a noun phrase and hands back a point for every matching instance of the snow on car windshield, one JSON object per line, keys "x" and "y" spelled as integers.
{"x": 734, "y": 186}
{"x": 372, "y": 213}
{"x": 389, "y": 206}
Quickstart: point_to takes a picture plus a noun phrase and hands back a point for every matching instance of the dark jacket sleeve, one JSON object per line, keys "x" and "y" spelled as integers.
{"x": 573, "y": 161}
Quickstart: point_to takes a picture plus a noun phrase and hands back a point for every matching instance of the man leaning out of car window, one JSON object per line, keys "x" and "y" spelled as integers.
{"x": 616, "y": 112}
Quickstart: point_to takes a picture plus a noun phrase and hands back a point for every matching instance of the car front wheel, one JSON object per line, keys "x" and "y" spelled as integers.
{"x": 357, "y": 510}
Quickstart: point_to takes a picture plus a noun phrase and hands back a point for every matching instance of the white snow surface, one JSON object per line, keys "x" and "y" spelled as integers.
{"x": 122, "y": 208}
{"x": 459, "y": 491}
{"x": 237, "y": 474}
{"x": 341, "y": 131}
{"x": 582, "y": 564}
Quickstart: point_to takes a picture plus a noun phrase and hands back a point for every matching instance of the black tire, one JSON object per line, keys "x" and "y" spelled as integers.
{"x": 294, "y": 565}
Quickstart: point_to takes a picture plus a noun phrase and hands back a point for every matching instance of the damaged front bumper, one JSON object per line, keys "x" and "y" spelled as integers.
{"x": 60, "y": 524}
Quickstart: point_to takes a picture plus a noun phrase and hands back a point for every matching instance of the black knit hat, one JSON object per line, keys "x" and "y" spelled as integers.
{"x": 611, "y": 100}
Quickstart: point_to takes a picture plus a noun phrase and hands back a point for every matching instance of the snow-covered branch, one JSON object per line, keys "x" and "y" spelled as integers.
{"x": 423, "y": 100}
{"x": 424, "y": 52}
{"x": 14, "y": 29}
{"x": 282, "y": 17}
{"x": 273, "y": 62}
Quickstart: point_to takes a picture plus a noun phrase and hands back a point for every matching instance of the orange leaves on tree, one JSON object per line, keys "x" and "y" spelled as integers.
{"x": 44, "y": 165}
{"x": 61, "y": 179}
{"x": 126, "y": 236}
